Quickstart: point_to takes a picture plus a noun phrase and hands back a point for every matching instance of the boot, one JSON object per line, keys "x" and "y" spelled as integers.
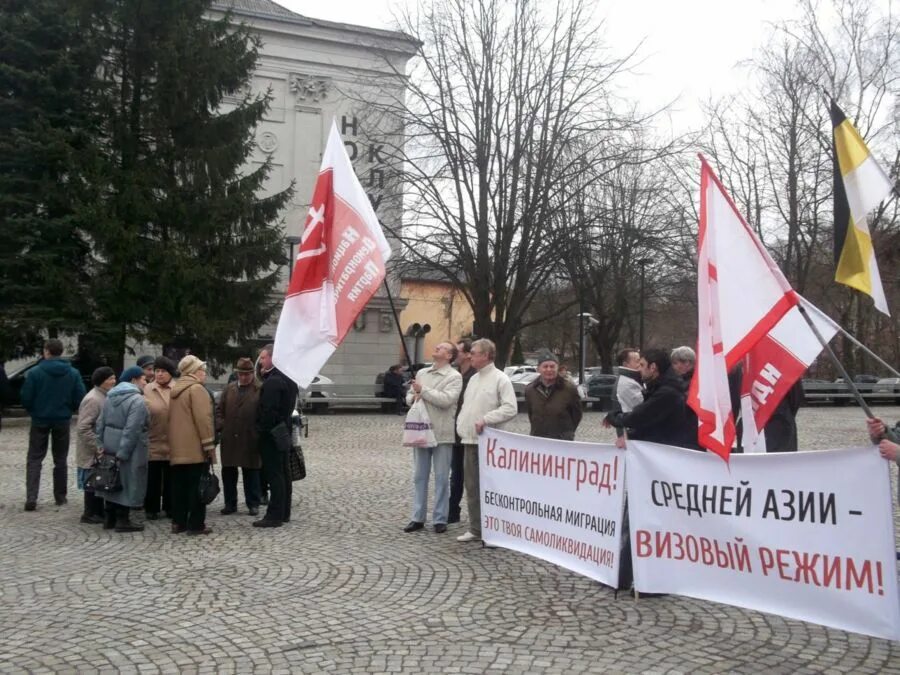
{"x": 90, "y": 516}
{"x": 123, "y": 521}
{"x": 109, "y": 517}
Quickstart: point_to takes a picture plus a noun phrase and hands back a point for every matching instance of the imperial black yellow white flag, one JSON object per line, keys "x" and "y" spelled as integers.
{"x": 860, "y": 184}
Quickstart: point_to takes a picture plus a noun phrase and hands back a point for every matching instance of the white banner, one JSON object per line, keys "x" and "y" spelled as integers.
{"x": 560, "y": 501}
{"x": 806, "y": 535}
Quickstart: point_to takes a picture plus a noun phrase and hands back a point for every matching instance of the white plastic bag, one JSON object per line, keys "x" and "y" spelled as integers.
{"x": 417, "y": 430}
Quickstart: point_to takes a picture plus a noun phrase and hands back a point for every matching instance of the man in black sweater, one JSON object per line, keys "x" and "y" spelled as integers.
{"x": 661, "y": 417}
{"x": 277, "y": 400}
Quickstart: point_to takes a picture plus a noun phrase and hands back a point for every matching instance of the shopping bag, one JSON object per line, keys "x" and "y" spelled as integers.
{"x": 417, "y": 430}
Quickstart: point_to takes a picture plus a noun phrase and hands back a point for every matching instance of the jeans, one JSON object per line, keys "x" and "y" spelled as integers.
{"x": 423, "y": 458}
{"x": 188, "y": 510}
{"x": 277, "y": 470}
{"x": 159, "y": 486}
{"x": 251, "y": 486}
{"x": 457, "y": 474}
{"x": 38, "y": 439}
{"x": 473, "y": 489}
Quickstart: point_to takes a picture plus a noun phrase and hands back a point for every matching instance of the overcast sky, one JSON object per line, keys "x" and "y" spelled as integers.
{"x": 690, "y": 47}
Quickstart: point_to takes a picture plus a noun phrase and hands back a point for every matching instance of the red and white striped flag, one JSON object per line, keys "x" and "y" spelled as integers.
{"x": 741, "y": 295}
{"x": 340, "y": 264}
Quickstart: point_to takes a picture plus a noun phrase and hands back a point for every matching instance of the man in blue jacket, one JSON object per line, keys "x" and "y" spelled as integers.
{"x": 51, "y": 394}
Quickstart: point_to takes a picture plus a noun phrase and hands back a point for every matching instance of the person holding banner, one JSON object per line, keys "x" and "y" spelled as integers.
{"x": 661, "y": 417}
{"x": 438, "y": 386}
{"x": 490, "y": 401}
{"x": 887, "y": 440}
{"x": 553, "y": 403}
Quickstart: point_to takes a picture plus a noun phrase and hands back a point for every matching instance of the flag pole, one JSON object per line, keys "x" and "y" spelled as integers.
{"x": 396, "y": 319}
{"x": 867, "y": 350}
{"x": 837, "y": 363}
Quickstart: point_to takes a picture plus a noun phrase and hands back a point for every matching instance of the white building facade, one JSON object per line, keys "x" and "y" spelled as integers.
{"x": 319, "y": 71}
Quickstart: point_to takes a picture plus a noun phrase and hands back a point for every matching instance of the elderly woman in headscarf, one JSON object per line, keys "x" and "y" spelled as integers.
{"x": 191, "y": 445}
{"x": 156, "y": 395}
{"x": 122, "y": 432}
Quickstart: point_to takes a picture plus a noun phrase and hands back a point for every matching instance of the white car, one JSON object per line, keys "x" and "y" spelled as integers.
{"x": 512, "y": 371}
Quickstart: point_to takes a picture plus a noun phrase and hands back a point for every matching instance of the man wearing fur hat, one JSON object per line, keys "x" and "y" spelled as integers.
{"x": 236, "y": 417}
{"x": 552, "y": 401}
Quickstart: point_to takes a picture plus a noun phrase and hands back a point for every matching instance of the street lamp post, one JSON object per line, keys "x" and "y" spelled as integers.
{"x": 643, "y": 263}
{"x": 292, "y": 241}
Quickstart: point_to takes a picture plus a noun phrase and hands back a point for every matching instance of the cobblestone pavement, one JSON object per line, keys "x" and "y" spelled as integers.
{"x": 343, "y": 589}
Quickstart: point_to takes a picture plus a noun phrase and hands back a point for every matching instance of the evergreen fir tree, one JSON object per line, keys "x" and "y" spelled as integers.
{"x": 46, "y": 70}
{"x": 189, "y": 252}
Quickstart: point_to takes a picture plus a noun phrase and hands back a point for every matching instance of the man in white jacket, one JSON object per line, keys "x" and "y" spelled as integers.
{"x": 438, "y": 386}
{"x": 489, "y": 401}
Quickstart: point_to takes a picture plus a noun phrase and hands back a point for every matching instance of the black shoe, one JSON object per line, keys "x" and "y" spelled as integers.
{"x": 440, "y": 528}
{"x": 253, "y": 510}
{"x": 30, "y": 506}
{"x": 266, "y": 523}
{"x": 61, "y": 500}
{"x": 152, "y": 516}
{"x": 128, "y": 526}
{"x": 92, "y": 520}
{"x": 194, "y": 533}
{"x": 452, "y": 519}
{"x": 227, "y": 511}
{"x": 413, "y": 526}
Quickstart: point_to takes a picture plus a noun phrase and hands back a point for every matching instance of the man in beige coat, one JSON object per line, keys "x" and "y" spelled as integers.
{"x": 489, "y": 401}
{"x": 438, "y": 387}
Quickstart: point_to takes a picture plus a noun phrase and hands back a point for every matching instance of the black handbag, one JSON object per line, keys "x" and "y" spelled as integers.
{"x": 209, "y": 485}
{"x": 298, "y": 464}
{"x": 103, "y": 476}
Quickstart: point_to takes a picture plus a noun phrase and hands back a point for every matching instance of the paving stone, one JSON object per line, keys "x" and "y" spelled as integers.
{"x": 342, "y": 589}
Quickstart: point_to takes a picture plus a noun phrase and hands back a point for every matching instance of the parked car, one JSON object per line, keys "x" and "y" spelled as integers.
{"x": 588, "y": 373}
{"x": 887, "y": 388}
{"x": 602, "y": 386}
{"x": 512, "y": 371}
{"x": 17, "y": 381}
{"x": 524, "y": 378}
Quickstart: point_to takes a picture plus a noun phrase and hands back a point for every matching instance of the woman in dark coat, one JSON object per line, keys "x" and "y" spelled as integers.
{"x": 122, "y": 432}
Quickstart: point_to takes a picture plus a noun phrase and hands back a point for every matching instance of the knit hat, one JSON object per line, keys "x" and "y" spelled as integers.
{"x": 102, "y": 374}
{"x": 547, "y": 355}
{"x": 168, "y": 365}
{"x": 130, "y": 374}
{"x": 144, "y": 361}
{"x": 244, "y": 365}
{"x": 190, "y": 364}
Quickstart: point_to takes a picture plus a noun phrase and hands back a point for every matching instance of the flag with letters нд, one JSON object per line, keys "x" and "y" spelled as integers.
{"x": 340, "y": 264}
{"x": 860, "y": 184}
{"x": 741, "y": 296}
{"x": 774, "y": 366}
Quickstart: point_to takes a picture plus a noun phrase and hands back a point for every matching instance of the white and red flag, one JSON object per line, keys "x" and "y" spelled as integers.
{"x": 741, "y": 296}
{"x": 775, "y": 364}
{"x": 340, "y": 264}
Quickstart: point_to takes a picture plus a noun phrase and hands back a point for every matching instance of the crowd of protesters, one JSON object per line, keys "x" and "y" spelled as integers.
{"x": 162, "y": 425}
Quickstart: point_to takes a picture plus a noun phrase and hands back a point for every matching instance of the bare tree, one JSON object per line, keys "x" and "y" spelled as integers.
{"x": 508, "y": 103}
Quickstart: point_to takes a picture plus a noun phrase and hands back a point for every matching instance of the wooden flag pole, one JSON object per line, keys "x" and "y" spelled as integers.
{"x": 837, "y": 363}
